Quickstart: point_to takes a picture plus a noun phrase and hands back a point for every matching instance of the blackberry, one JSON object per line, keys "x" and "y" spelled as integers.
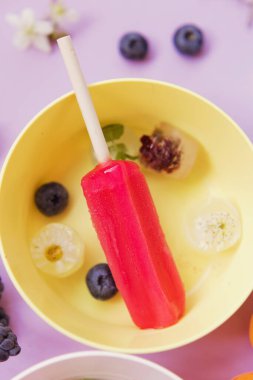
{"x": 100, "y": 282}
{"x": 51, "y": 198}
{"x": 160, "y": 153}
{"x": 4, "y": 318}
{"x": 8, "y": 343}
{"x": 1, "y": 287}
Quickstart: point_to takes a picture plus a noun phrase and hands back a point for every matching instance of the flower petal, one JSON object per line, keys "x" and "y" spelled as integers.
{"x": 27, "y": 18}
{"x": 44, "y": 28}
{"x": 61, "y": 15}
{"x": 57, "y": 10}
{"x": 22, "y": 41}
{"x": 12, "y": 19}
{"x": 42, "y": 43}
{"x": 72, "y": 15}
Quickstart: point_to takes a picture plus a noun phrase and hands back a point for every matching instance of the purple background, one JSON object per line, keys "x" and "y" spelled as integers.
{"x": 224, "y": 74}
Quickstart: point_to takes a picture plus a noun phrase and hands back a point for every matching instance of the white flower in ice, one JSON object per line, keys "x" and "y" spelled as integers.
{"x": 217, "y": 231}
{"x": 29, "y": 31}
{"x": 57, "y": 250}
{"x": 60, "y": 14}
{"x": 213, "y": 225}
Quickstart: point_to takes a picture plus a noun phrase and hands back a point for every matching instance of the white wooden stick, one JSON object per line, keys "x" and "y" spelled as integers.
{"x": 84, "y": 99}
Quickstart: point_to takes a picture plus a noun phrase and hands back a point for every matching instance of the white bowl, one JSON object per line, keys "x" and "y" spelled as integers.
{"x": 98, "y": 366}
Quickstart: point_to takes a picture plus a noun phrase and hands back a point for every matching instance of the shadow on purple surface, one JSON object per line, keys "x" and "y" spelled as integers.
{"x": 210, "y": 357}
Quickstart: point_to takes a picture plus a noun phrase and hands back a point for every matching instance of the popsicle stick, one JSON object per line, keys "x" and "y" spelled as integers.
{"x": 84, "y": 99}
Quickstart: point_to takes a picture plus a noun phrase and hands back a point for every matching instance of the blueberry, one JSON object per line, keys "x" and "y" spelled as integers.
{"x": 51, "y": 198}
{"x": 188, "y": 39}
{"x": 100, "y": 282}
{"x": 133, "y": 46}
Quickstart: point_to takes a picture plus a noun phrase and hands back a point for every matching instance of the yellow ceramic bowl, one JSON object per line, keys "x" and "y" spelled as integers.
{"x": 55, "y": 146}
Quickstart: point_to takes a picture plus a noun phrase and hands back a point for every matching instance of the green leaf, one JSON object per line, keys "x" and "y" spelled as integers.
{"x": 118, "y": 151}
{"x": 120, "y": 156}
{"x": 113, "y": 131}
{"x": 130, "y": 157}
{"x": 121, "y": 147}
{"x": 117, "y": 148}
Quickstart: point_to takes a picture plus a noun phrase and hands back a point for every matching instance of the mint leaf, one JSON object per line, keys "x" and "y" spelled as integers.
{"x": 113, "y": 131}
{"x": 122, "y": 147}
{"x": 118, "y": 151}
{"x": 120, "y": 156}
{"x": 130, "y": 157}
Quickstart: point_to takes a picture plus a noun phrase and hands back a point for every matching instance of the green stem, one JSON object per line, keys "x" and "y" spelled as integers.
{"x": 131, "y": 157}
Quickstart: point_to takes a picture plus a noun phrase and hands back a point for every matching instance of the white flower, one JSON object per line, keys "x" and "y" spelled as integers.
{"x": 29, "y": 31}
{"x": 217, "y": 231}
{"x": 57, "y": 250}
{"x": 213, "y": 225}
{"x": 60, "y": 14}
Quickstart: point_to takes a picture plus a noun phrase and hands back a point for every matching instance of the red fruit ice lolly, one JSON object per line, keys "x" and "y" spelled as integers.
{"x": 127, "y": 224}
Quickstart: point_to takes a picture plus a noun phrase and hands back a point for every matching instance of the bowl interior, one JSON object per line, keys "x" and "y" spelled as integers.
{"x": 102, "y": 366}
{"x": 55, "y": 147}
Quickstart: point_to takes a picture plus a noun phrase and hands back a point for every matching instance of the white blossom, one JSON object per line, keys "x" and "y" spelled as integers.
{"x": 30, "y": 31}
{"x": 217, "y": 231}
{"x": 61, "y": 15}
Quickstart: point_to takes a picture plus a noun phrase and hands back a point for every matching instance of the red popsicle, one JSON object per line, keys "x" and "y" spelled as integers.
{"x": 127, "y": 224}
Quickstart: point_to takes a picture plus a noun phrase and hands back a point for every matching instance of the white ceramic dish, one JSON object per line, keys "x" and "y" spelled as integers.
{"x": 98, "y": 366}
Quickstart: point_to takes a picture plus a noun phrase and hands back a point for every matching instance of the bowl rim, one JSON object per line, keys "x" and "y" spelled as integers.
{"x": 98, "y": 354}
{"x": 75, "y": 337}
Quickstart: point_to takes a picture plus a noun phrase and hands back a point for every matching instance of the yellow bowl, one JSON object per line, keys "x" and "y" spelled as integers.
{"x": 55, "y": 146}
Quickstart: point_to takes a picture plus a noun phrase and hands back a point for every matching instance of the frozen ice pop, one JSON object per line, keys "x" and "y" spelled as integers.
{"x": 127, "y": 224}
{"x": 126, "y": 221}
